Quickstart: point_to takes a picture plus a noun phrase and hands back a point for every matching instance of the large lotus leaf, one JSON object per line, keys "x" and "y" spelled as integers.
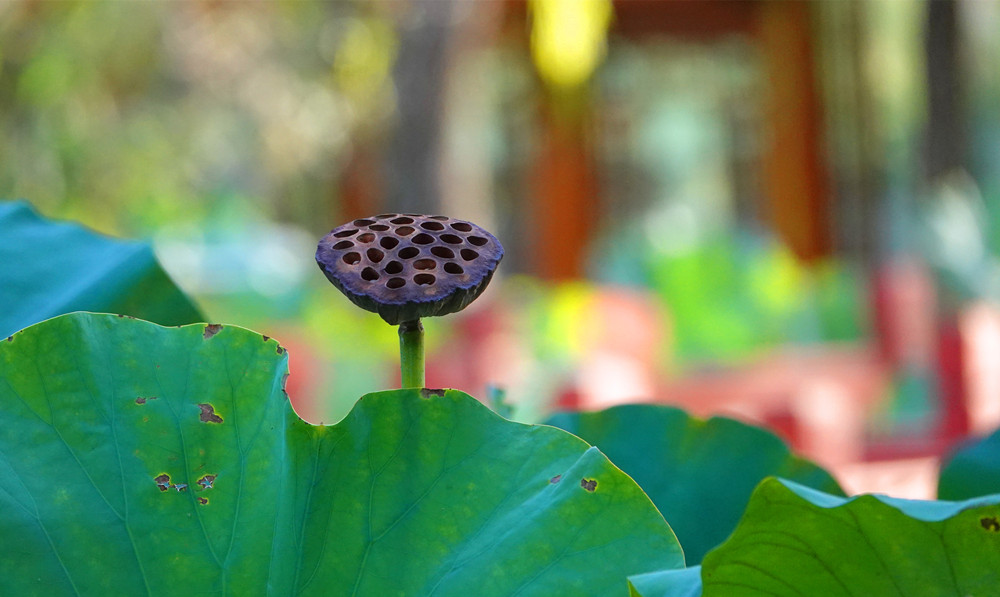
{"x": 699, "y": 473}
{"x": 51, "y": 268}
{"x": 797, "y": 541}
{"x": 973, "y": 470}
{"x": 136, "y": 459}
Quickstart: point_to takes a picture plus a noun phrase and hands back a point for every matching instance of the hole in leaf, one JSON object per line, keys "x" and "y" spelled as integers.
{"x": 589, "y": 484}
{"x": 208, "y": 414}
{"x": 424, "y": 279}
{"x": 212, "y": 329}
{"x": 424, "y": 264}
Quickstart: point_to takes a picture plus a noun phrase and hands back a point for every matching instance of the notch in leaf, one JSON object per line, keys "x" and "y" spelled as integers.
{"x": 408, "y": 266}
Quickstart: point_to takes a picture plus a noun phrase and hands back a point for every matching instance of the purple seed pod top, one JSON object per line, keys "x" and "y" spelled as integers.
{"x": 408, "y": 266}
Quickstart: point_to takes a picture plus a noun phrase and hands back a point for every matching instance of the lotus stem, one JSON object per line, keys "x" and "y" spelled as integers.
{"x": 411, "y": 353}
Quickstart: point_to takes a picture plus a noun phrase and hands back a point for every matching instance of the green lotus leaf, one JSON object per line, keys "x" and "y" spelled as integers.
{"x": 972, "y": 470}
{"x": 137, "y": 459}
{"x": 51, "y": 268}
{"x": 699, "y": 473}
{"x": 798, "y": 541}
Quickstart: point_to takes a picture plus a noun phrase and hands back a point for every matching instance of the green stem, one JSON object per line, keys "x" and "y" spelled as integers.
{"x": 411, "y": 353}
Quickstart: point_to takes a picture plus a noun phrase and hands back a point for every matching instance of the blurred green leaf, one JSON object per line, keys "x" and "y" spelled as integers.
{"x": 973, "y": 470}
{"x": 699, "y": 473}
{"x": 136, "y": 459}
{"x": 51, "y": 268}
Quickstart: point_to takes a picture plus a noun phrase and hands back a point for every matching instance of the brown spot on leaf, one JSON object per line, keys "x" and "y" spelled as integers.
{"x": 202, "y": 500}
{"x": 162, "y": 481}
{"x": 555, "y": 479}
{"x": 10, "y": 338}
{"x": 208, "y": 414}
{"x": 143, "y": 399}
{"x": 589, "y": 484}
{"x": 990, "y": 523}
{"x": 428, "y": 392}
{"x": 206, "y": 481}
{"x": 279, "y": 350}
{"x": 212, "y": 329}
{"x": 266, "y": 338}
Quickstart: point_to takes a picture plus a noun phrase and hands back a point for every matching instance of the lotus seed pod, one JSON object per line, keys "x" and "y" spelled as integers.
{"x": 408, "y": 266}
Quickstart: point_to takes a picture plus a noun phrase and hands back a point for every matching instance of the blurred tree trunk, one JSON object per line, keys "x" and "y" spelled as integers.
{"x": 412, "y": 162}
{"x": 946, "y": 140}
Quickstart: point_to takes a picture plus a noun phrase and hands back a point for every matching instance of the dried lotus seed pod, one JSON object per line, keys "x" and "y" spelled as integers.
{"x": 408, "y": 266}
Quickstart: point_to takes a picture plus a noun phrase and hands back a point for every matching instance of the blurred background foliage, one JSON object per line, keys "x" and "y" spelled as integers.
{"x": 629, "y": 155}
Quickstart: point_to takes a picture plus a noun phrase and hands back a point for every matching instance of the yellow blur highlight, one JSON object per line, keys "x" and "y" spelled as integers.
{"x": 568, "y": 38}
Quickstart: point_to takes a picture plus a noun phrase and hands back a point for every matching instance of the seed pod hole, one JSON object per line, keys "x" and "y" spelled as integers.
{"x": 369, "y": 274}
{"x": 385, "y": 216}
{"x": 435, "y": 226}
{"x": 378, "y": 227}
{"x": 451, "y": 239}
{"x": 393, "y": 267}
{"x": 462, "y": 226}
{"x": 395, "y": 283}
{"x": 423, "y": 239}
{"x": 352, "y": 258}
{"x": 408, "y": 252}
{"x": 443, "y": 252}
{"x": 388, "y": 242}
{"x": 363, "y": 222}
{"x": 424, "y": 279}
{"x": 453, "y": 268}
{"x": 478, "y": 240}
{"x": 367, "y": 237}
{"x": 469, "y": 254}
{"x": 374, "y": 255}
{"x": 401, "y": 220}
{"x": 404, "y": 230}
{"x": 344, "y": 244}
{"x": 424, "y": 264}
{"x": 442, "y": 218}
{"x": 346, "y": 233}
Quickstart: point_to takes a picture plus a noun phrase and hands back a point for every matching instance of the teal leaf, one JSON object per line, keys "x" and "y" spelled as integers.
{"x": 798, "y": 541}
{"x": 52, "y": 268}
{"x": 137, "y": 459}
{"x": 699, "y": 473}
{"x": 972, "y": 470}
{"x": 682, "y": 582}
